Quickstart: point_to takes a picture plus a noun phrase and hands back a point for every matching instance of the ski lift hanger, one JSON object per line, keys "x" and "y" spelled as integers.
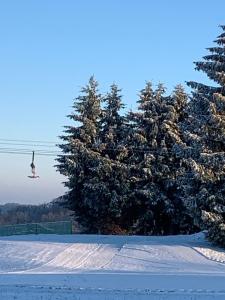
{"x": 33, "y": 170}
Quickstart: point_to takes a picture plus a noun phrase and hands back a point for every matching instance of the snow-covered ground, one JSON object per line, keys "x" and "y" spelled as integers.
{"x": 91, "y": 267}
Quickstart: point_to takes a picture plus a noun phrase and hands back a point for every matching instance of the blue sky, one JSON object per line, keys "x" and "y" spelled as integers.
{"x": 49, "y": 49}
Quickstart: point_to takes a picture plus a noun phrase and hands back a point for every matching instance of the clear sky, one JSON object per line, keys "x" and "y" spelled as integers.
{"x": 50, "y": 48}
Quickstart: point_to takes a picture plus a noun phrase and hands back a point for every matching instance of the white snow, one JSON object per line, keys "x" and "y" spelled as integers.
{"x": 110, "y": 267}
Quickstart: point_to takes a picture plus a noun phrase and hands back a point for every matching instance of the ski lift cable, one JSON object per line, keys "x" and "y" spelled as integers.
{"x": 26, "y": 144}
{"x": 37, "y": 153}
{"x": 29, "y": 149}
{"x": 45, "y": 151}
{"x": 29, "y": 153}
{"x": 129, "y": 148}
{"x": 55, "y": 145}
{"x": 50, "y": 154}
{"x": 60, "y": 152}
{"x": 27, "y": 141}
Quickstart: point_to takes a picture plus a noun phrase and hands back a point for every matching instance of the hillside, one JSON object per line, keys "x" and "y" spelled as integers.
{"x": 110, "y": 267}
{"x": 14, "y": 213}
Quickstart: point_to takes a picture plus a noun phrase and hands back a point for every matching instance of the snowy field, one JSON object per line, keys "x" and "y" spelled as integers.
{"x": 89, "y": 267}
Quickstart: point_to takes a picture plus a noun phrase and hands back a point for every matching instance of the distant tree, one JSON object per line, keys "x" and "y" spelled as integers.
{"x": 17, "y": 213}
{"x": 205, "y": 137}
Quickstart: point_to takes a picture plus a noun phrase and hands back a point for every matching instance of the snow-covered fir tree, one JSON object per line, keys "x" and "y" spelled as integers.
{"x": 81, "y": 160}
{"x": 113, "y": 151}
{"x": 205, "y": 137}
{"x": 154, "y": 207}
{"x": 94, "y": 149}
{"x": 123, "y": 171}
{"x": 113, "y": 124}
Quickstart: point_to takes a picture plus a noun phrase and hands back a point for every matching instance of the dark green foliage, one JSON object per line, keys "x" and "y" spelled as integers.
{"x": 122, "y": 171}
{"x": 154, "y": 205}
{"x": 112, "y": 124}
{"x": 82, "y": 161}
{"x": 113, "y": 149}
{"x": 205, "y": 136}
{"x": 160, "y": 170}
{"x": 92, "y": 163}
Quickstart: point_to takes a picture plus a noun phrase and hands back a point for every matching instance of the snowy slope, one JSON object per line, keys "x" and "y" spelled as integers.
{"x": 110, "y": 267}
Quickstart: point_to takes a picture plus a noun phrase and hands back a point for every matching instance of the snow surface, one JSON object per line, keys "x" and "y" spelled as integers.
{"x": 110, "y": 267}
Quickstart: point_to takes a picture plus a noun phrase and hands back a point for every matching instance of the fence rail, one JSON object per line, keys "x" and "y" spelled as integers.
{"x": 61, "y": 227}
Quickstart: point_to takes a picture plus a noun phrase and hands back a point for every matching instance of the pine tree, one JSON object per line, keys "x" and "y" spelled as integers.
{"x": 113, "y": 148}
{"x": 112, "y": 124}
{"x": 81, "y": 158}
{"x": 140, "y": 196}
{"x": 177, "y": 116}
{"x": 92, "y": 162}
{"x": 154, "y": 204}
{"x": 205, "y": 136}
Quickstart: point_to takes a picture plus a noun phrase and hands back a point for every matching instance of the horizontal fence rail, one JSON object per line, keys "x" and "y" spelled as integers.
{"x": 60, "y": 227}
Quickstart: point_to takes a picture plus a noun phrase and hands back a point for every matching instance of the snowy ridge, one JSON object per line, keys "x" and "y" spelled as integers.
{"x": 217, "y": 255}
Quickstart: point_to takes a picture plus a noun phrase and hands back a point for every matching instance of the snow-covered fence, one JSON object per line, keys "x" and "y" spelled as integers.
{"x": 60, "y": 227}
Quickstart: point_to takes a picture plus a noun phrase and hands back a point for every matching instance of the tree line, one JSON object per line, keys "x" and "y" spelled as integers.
{"x": 13, "y": 213}
{"x": 158, "y": 170}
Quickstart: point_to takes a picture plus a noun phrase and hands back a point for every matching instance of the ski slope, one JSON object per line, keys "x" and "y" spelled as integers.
{"x": 110, "y": 267}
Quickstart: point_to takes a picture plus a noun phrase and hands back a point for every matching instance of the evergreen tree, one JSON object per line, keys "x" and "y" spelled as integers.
{"x": 122, "y": 172}
{"x": 113, "y": 148}
{"x": 140, "y": 197}
{"x": 81, "y": 159}
{"x": 112, "y": 124}
{"x": 92, "y": 162}
{"x": 154, "y": 164}
{"x": 205, "y": 136}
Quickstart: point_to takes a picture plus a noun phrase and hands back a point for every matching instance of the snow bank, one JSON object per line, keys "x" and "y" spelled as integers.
{"x": 110, "y": 267}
